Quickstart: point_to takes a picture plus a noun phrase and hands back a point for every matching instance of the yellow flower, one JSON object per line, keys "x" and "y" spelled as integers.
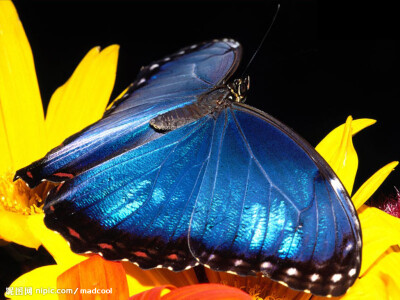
{"x": 381, "y": 231}
{"x": 25, "y": 135}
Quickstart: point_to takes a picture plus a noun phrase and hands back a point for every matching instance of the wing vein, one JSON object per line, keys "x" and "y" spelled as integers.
{"x": 248, "y": 147}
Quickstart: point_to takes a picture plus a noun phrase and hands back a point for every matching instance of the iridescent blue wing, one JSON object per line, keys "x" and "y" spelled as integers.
{"x": 269, "y": 203}
{"x": 235, "y": 190}
{"x": 164, "y": 85}
{"x": 137, "y": 205}
{"x": 248, "y": 192}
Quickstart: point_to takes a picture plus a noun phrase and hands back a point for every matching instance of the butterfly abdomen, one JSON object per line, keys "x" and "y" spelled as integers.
{"x": 206, "y": 104}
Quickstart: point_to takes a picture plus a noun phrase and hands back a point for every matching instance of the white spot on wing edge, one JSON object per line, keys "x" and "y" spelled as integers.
{"x": 292, "y": 271}
{"x": 266, "y": 265}
{"x": 211, "y": 257}
{"x": 314, "y": 277}
{"x": 238, "y": 262}
{"x": 336, "y": 277}
{"x": 152, "y": 67}
{"x": 349, "y": 246}
{"x": 231, "y": 42}
{"x": 352, "y": 272}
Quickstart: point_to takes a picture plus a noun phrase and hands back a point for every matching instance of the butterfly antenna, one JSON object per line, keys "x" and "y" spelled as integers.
{"x": 262, "y": 41}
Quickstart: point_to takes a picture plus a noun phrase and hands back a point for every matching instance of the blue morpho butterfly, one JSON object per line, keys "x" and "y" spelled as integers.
{"x": 180, "y": 172}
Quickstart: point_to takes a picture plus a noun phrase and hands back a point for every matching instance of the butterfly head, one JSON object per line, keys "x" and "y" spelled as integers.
{"x": 239, "y": 88}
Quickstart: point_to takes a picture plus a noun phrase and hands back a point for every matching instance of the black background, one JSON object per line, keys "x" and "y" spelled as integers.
{"x": 303, "y": 75}
{"x": 300, "y": 76}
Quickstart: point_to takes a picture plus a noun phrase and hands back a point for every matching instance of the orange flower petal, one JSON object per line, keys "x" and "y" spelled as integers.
{"x": 260, "y": 287}
{"x": 97, "y": 277}
{"x": 207, "y": 291}
{"x": 154, "y": 293}
{"x": 194, "y": 292}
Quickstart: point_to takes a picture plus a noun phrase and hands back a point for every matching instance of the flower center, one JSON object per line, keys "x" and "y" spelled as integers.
{"x": 17, "y": 197}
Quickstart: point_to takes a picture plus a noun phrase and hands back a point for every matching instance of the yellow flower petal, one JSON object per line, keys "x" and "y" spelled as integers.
{"x": 83, "y": 98}
{"x": 42, "y": 280}
{"x": 380, "y": 231}
{"x": 372, "y": 184}
{"x": 338, "y": 150}
{"x": 57, "y": 246}
{"x": 362, "y": 289}
{"x": 21, "y": 111}
{"x": 15, "y": 227}
{"x": 332, "y": 140}
{"x": 382, "y": 282}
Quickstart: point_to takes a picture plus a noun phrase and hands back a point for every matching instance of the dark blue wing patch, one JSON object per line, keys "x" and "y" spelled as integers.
{"x": 269, "y": 203}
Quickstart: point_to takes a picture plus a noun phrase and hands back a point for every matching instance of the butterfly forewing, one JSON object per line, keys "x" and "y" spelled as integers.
{"x": 164, "y": 85}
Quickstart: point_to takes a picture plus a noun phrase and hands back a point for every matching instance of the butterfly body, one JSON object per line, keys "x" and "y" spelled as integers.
{"x": 209, "y": 103}
{"x": 180, "y": 172}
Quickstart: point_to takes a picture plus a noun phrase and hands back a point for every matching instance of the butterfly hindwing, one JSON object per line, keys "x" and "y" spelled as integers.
{"x": 172, "y": 82}
{"x": 269, "y": 203}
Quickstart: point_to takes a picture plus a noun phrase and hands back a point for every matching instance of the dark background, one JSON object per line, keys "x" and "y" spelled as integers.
{"x": 300, "y": 76}
{"x": 303, "y": 75}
